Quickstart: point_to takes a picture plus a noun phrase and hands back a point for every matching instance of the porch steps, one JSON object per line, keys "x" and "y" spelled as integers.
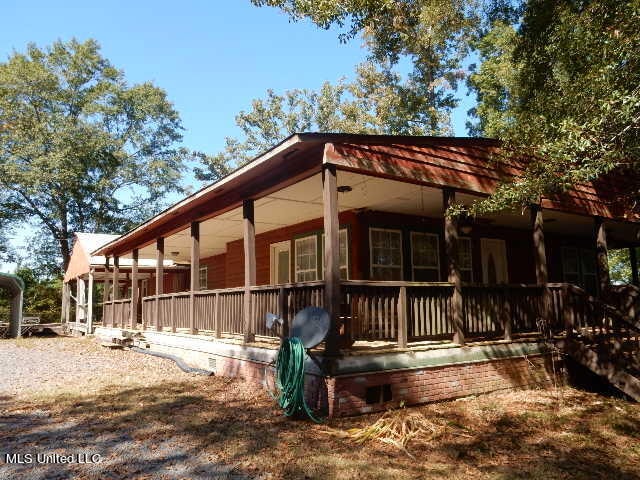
{"x": 623, "y": 375}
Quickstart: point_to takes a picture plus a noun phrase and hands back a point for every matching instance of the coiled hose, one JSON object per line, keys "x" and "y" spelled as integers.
{"x": 290, "y": 378}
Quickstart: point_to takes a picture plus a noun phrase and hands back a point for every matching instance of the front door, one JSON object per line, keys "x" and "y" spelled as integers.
{"x": 280, "y": 263}
{"x": 494, "y": 261}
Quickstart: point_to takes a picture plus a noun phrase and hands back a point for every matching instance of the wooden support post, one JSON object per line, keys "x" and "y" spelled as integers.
{"x": 283, "y": 308}
{"x": 633, "y": 259}
{"x": 331, "y": 257}
{"x": 602, "y": 262}
{"x": 403, "y": 314}
{"x": 539, "y": 250}
{"x": 218, "y": 317}
{"x": 195, "y": 275}
{"x": 507, "y": 320}
{"x": 540, "y": 258}
{"x": 135, "y": 292}
{"x": 453, "y": 268}
{"x": 115, "y": 280}
{"x": 249, "y": 234}
{"x": 105, "y": 297}
{"x": 159, "y": 280}
{"x": 173, "y": 313}
{"x": 90, "y": 303}
{"x": 81, "y": 307}
{"x": 567, "y": 311}
{"x": 66, "y": 303}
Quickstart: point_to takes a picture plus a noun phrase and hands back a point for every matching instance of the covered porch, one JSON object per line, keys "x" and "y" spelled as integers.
{"x": 361, "y": 230}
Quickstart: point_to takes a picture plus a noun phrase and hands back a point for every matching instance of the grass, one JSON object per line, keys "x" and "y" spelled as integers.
{"x": 557, "y": 434}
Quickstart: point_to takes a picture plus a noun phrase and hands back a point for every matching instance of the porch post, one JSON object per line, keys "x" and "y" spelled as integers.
{"x": 115, "y": 280}
{"x": 453, "y": 268}
{"x": 633, "y": 259}
{"x": 540, "y": 257}
{"x": 602, "y": 262}
{"x": 135, "y": 293}
{"x": 249, "y": 234}
{"x": 90, "y": 303}
{"x": 539, "y": 251}
{"x": 81, "y": 307}
{"x": 159, "y": 279}
{"x": 64, "y": 317}
{"x": 195, "y": 275}
{"x": 331, "y": 256}
{"x": 105, "y": 295}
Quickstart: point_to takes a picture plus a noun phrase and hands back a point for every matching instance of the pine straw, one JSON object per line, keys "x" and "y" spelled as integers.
{"x": 399, "y": 428}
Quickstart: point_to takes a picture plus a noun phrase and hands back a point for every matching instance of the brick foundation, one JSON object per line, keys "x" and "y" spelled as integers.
{"x": 347, "y": 395}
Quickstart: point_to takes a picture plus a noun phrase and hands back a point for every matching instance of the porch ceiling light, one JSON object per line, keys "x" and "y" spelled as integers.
{"x": 465, "y": 224}
{"x": 344, "y": 189}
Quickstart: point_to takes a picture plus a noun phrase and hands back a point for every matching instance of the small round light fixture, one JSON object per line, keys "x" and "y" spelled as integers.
{"x": 344, "y": 189}
{"x": 175, "y": 254}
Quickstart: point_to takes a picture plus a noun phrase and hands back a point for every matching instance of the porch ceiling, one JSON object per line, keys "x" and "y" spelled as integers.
{"x": 303, "y": 201}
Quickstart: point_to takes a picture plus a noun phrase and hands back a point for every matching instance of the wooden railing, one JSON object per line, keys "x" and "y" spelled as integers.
{"x": 396, "y": 312}
{"x": 614, "y": 336}
{"x": 626, "y": 299}
{"x": 116, "y": 313}
{"x": 501, "y": 309}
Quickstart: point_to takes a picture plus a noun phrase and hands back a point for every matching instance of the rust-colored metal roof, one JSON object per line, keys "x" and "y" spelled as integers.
{"x": 461, "y": 163}
{"x": 471, "y": 166}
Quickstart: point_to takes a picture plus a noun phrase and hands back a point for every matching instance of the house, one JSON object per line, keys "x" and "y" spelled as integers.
{"x": 423, "y": 306}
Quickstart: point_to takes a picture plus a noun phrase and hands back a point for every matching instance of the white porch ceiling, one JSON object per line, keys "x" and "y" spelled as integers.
{"x": 303, "y": 201}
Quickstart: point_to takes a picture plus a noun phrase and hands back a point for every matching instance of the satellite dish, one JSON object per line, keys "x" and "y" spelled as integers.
{"x": 272, "y": 319}
{"x": 311, "y": 326}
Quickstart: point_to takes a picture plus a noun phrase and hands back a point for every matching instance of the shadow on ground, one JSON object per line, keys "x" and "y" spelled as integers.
{"x": 218, "y": 428}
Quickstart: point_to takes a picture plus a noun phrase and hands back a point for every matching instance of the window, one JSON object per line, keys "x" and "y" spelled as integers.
{"x": 203, "y": 277}
{"x": 306, "y": 265}
{"x": 579, "y": 268}
{"x": 343, "y": 237}
{"x": 465, "y": 259}
{"x": 280, "y": 265}
{"x": 425, "y": 257}
{"x": 144, "y": 288}
{"x": 386, "y": 254}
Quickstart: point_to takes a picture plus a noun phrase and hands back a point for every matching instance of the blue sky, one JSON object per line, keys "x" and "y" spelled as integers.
{"x": 211, "y": 57}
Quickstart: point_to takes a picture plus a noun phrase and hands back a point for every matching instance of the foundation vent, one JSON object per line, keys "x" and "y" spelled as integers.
{"x": 378, "y": 394}
{"x": 212, "y": 364}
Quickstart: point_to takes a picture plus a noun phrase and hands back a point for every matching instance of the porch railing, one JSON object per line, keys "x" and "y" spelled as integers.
{"x": 116, "y": 313}
{"x": 370, "y": 311}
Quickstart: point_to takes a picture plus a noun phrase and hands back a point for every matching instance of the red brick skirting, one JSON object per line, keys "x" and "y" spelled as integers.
{"x": 347, "y": 395}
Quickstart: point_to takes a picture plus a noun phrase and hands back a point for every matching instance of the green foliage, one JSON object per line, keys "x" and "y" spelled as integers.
{"x": 80, "y": 148}
{"x": 563, "y": 90}
{"x": 620, "y": 265}
{"x": 378, "y": 101}
{"x": 433, "y": 35}
{"x": 41, "y": 296}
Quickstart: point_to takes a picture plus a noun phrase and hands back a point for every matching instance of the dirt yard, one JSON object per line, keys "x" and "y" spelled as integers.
{"x": 147, "y": 419}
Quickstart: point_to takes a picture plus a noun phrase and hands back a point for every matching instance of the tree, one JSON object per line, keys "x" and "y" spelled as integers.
{"x": 80, "y": 148}
{"x": 563, "y": 91}
{"x": 434, "y": 35}
{"x": 378, "y": 101}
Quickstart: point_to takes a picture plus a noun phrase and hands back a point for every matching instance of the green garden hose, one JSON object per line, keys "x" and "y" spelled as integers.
{"x": 290, "y": 378}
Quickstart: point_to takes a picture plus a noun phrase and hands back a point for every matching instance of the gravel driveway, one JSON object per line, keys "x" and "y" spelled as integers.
{"x": 48, "y": 389}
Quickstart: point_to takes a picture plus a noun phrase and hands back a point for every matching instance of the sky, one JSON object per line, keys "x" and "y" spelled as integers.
{"x": 212, "y": 57}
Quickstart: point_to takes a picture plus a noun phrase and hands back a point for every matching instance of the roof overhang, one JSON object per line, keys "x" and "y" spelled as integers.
{"x": 462, "y": 164}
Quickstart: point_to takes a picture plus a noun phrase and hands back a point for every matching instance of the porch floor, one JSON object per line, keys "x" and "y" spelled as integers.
{"x": 360, "y": 347}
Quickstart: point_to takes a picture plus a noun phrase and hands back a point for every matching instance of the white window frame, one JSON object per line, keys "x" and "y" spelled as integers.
{"x": 295, "y": 259}
{"x": 414, "y": 266}
{"x": 344, "y": 231}
{"x": 470, "y": 242}
{"x": 375, "y": 265}
{"x": 273, "y": 266}
{"x": 203, "y": 285}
